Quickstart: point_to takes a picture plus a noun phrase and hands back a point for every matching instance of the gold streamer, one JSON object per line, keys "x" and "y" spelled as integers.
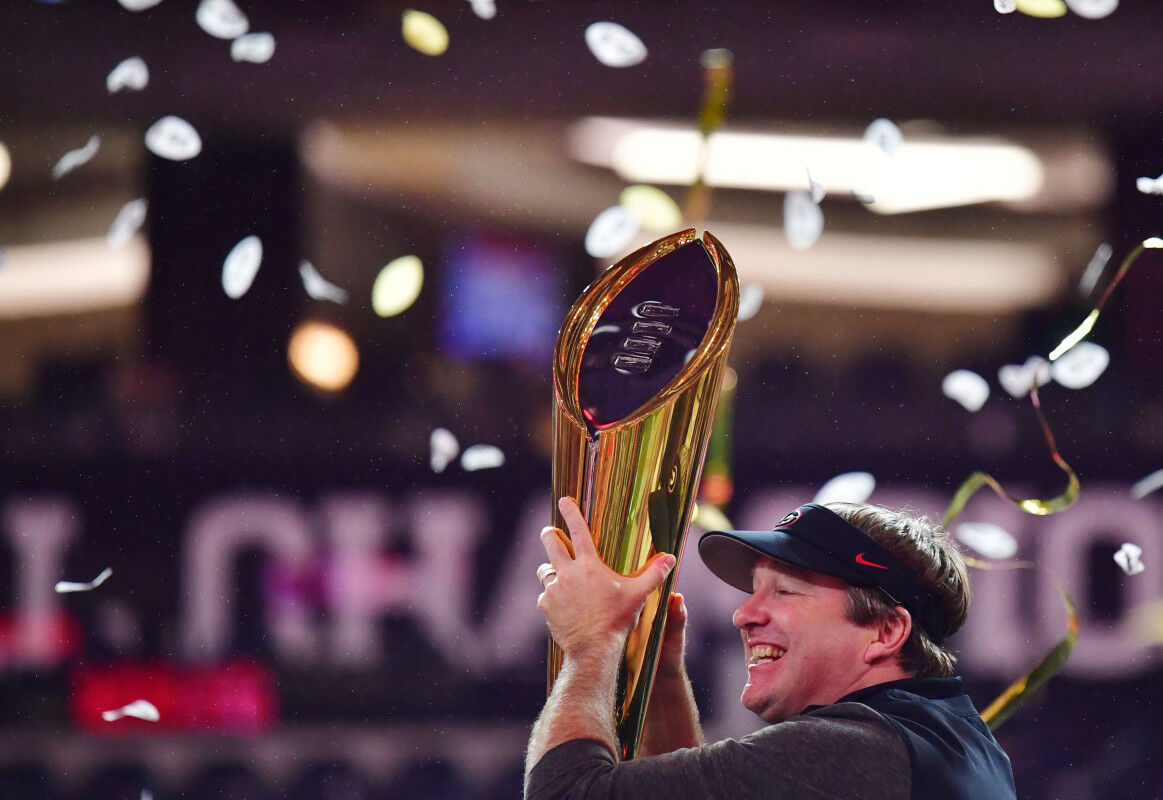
{"x": 718, "y": 75}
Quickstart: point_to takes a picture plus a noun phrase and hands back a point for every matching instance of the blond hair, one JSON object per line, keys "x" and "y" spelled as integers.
{"x": 934, "y": 558}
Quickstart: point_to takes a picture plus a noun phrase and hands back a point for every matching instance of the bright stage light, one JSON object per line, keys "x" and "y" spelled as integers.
{"x": 323, "y": 356}
{"x": 924, "y": 173}
{"x": 70, "y": 277}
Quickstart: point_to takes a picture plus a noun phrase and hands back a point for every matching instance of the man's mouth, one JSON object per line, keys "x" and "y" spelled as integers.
{"x": 765, "y": 653}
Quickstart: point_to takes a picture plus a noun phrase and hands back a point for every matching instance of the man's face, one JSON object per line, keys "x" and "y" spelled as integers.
{"x": 801, "y": 649}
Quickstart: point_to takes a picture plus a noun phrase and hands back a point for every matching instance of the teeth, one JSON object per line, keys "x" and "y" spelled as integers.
{"x": 766, "y": 652}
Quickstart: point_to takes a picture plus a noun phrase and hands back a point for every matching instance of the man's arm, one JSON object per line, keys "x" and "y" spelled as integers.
{"x": 590, "y": 610}
{"x": 672, "y": 719}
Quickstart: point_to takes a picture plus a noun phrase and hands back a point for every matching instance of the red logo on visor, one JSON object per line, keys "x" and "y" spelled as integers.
{"x": 860, "y": 559}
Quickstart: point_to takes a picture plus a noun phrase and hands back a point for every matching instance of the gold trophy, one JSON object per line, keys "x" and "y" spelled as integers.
{"x": 636, "y": 373}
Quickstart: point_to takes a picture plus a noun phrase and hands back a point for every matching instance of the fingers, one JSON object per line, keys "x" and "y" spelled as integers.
{"x": 579, "y": 530}
{"x": 654, "y": 573}
{"x": 551, "y": 540}
{"x": 675, "y": 611}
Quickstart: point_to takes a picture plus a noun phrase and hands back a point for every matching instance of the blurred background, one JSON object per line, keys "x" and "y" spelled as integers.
{"x": 322, "y": 597}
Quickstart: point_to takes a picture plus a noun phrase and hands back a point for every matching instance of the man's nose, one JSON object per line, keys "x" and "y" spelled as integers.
{"x": 749, "y": 613}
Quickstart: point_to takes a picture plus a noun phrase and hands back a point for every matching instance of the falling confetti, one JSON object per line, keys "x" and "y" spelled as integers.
{"x": 1094, "y": 269}
{"x": 611, "y": 232}
{"x": 655, "y": 209}
{"x": 485, "y": 9}
{"x": 1093, "y": 9}
{"x": 132, "y": 74}
{"x": 967, "y": 388}
{"x": 1128, "y": 558}
{"x": 442, "y": 449}
{"x": 750, "y": 301}
{"x": 1150, "y": 185}
{"x": 1005, "y": 6}
{"x": 127, "y": 222}
{"x": 1145, "y": 486}
{"x": 614, "y": 45}
{"x": 173, "y": 138}
{"x": 424, "y": 32}
{"x": 397, "y": 286}
{"x": 221, "y": 19}
{"x": 1081, "y": 365}
{"x": 816, "y": 190}
{"x": 884, "y": 135}
{"x": 317, "y": 287}
{"x": 1018, "y": 379}
{"x": 141, "y": 709}
{"x": 1047, "y": 9}
{"x": 849, "y": 487}
{"x": 481, "y": 456}
{"x": 75, "y": 158}
{"x": 138, "y": 5}
{"x": 803, "y": 221}
{"x": 240, "y": 267}
{"x": 991, "y": 541}
{"x": 257, "y": 48}
{"x": 65, "y": 587}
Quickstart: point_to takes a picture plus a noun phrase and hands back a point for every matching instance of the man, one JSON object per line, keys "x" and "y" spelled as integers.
{"x": 842, "y": 628}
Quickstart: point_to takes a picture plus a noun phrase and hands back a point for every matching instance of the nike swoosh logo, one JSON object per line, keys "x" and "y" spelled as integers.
{"x": 860, "y": 559}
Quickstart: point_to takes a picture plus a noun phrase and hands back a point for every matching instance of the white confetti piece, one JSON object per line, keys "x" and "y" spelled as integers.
{"x": 991, "y": 541}
{"x": 317, "y": 287}
{"x": 485, "y": 9}
{"x": 1145, "y": 486}
{"x": 442, "y": 449}
{"x": 397, "y": 286}
{"x": 257, "y": 48}
{"x": 803, "y": 221}
{"x": 848, "y": 487}
{"x": 65, "y": 587}
{"x": 132, "y": 74}
{"x": 141, "y": 709}
{"x": 884, "y": 135}
{"x": 750, "y": 301}
{"x": 221, "y": 19}
{"x": 75, "y": 158}
{"x": 1128, "y": 557}
{"x": 1005, "y": 6}
{"x": 173, "y": 138}
{"x": 1093, "y": 9}
{"x": 614, "y": 45}
{"x": 424, "y": 32}
{"x": 816, "y": 190}
{"x": 481, "y": 456}
{"x": 138, "y": 5}
{"x": 655, "y": 209}
{"x": 240, "y": 267}
{"x": 967, "y": 388}
{"x": 1081, "y": 365}
{"x": 1018, "y": 379}
{"x": 1094, "y": 269}
{"x": 127, "y": 222}
{"x": 611, "y": 232}
{"x": 1150, "y": 185}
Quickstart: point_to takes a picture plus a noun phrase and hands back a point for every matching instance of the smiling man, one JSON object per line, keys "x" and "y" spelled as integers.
{"x": 847, "y": 607}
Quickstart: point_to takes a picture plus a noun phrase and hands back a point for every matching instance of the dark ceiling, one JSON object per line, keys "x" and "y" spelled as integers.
{"x": 955, "y": 60}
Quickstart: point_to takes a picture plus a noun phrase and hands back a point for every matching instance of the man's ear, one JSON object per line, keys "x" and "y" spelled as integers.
{"x": 890, "y": 636}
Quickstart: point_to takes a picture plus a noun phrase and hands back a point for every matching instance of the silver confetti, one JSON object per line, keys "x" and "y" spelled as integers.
{"x": 257, "y": 48}
{"x": 803, "y": 221}
{"x": 1094, "y": 269}
{"x": 1005, "y": 6}
{"x": 127, "y": 222}
{"x": 614, "y": 45}
{"x": 991, "y": 541}
{"x": 1145, "y": 486}
{"x": 967, "y": 388}
{"x": 1128, "y": 558}
{"x": 317, "y": 287}
{"x": 848, "y": 487}
{"x": 132, "y": 74}
{"x": 173, "y": 138}
{"x": 611, "y": 232}
{"x": 1093, "y": 9}
{"x": 485, "y": 9}
{"x": 1018, "y": 379}
{"x": 75, "y": 158}
{"x": 138, "y": 5}
{"x": 141, "y": 709}
{"x": 240, "y": 267}
{"x": 481, "y": 456}
{"x": 442, "y": 449}
{"x": 1081, "y": 365}
{"x": 1150, "y": 185}
{"x": 750, "y": 301}
{"x": 65, "y": 587}
{"x": 884, "y": 135}
{"x": 221, "y": 19}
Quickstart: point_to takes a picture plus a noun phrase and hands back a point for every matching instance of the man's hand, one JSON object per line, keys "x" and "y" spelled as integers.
{"x": 672, "y": 654}
{"x": 588, "y": 605}
{"x": 672, "y": 719}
